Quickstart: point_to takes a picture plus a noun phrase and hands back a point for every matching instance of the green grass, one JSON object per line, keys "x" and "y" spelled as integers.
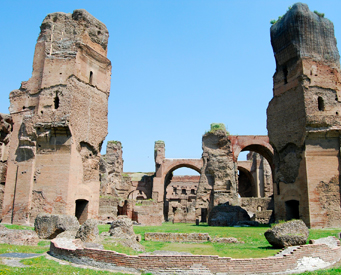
{"x": 41, "y": 265}
{"x": 255, "y": 246}
{"x": 330, "y": 271}
{"x": 10, "y": 248}
{"x": 20, "y": 227}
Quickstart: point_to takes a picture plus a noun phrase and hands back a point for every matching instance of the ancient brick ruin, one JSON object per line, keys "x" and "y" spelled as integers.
{"x": 303, "y": 119}
{"x": 59, "y": 122}
{"x": 51, "y": 141}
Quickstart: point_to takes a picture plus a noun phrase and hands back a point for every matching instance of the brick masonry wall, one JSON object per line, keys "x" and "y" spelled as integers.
{"x": 177, "y": 237}
{"x": 178, "y": 264}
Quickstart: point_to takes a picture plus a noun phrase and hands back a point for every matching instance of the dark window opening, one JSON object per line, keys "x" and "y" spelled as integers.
{"x": 192, "y": 191}
{"x": 56, "y": 102}
{"x": 183, "y": 192}
{"x": 320, "y": 103}
{"x": 122, "y": 210}
{"x": 292, "y": 209}
{"x": 203, "y": 214}
{"x": 175, "y": 190}
{"x": 285, "y": 73}
{"x": 91, "y": 77}
{"x": 81, "y": 212}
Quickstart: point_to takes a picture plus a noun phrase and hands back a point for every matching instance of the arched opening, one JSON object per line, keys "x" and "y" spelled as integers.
{"x": 122, "y": 210}
{"x": 180, "y": 193}
{"x": 246, "y": 183}
{"x": 255, "y": 178}
{"x": 255, "y": 182}
{"x": 138, "y": 195}
{"x": 81, "y": 211}
{"x": 292, "y": 209}
{"x": 320, "y": 103}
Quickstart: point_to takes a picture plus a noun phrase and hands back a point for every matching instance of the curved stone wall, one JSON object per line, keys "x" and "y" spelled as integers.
{"x": 299, "y": 259}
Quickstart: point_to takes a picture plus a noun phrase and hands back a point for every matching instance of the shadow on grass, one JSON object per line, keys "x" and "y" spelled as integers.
{"x": 258, "y": 226}
{"x": 268, "y": 247}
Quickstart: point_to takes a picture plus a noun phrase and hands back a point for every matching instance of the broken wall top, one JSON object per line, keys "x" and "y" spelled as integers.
{"x": 65, "y": 30}
{"x": 70, "y": 45}
{"x": 301, "y": 33}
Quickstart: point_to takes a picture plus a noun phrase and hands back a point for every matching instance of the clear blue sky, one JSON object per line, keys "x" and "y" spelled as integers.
{"x": 177, "y": 66}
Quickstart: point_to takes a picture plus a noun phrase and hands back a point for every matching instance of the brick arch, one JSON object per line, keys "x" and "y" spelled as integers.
{"x": 173, "y": 165}
{"x": 170, "y": 165}
{"x": 167, "y": 167}
{"x": 258, "y": 144}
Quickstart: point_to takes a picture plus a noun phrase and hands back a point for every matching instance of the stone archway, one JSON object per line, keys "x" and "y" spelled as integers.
{"x": 258, "y": 144}
{"x": 166, "y": 167}
{"x": 181, "y": 199}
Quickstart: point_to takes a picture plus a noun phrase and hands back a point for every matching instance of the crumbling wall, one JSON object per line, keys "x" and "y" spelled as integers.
{"x": 6, "y": 127}
{"x": 148, "y": 212}
{"x": 303, "y": 118}
{"x": 259, "y": 209}
{"x": 111, "y": 168}
{"x": 180, "y": 198}
{"x": 60, "y": 121}
{"x": 218, "y": 180}
{"x": 120, "y": 191}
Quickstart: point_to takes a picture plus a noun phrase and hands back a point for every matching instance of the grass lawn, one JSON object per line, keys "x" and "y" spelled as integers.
{"x": 41, "y": 265}
{"x": 255, "y": 246}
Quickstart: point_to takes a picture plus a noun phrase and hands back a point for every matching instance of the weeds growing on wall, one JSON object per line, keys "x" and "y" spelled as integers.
{"x": 319, "y": 14}
{"x": 217, "y": 126}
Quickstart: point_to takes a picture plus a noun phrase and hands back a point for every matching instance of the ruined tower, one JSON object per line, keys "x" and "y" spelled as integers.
{"x": 218, "y": 179}
{"x": 303, "y": 118}
{"x": 60, "y": 122}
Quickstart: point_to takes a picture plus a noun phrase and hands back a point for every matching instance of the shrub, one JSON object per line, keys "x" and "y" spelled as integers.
{"x": 319, "y": 14}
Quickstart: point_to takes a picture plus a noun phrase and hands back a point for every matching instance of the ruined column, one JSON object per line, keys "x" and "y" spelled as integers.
{"x": 60, "y": 122}
{"x": 112, "y": 182}
{"x": 303, "y": 118}
{"x": 218, "y": 180}
{"x": 158, "y": 184}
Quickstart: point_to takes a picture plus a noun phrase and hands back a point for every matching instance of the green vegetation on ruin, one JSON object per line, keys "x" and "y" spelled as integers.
{"x": 114, "y": 141}
{"x": 217, "y": 126}
{"x": 274, "y": 21}
{"x": 319, "y": 14}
